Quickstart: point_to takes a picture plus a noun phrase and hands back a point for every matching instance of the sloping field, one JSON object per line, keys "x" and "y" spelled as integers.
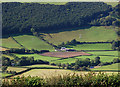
{"x": 32, "y": 42}
{"x": 97, "y": 46}
{"x": 64, "y": 54}
{"x": 92, "y": 34}
{"x": 10, "y": 43}
{"x": 115, "y": 66}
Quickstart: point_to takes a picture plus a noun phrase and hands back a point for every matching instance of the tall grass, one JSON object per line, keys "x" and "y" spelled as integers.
{"x": 91, "y": 80}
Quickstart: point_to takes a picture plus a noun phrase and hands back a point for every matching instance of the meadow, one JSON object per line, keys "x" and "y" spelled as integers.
{"x": 17, "y": 69}
{"x": 115, "y": 66}
{"x": 84, "y": 34}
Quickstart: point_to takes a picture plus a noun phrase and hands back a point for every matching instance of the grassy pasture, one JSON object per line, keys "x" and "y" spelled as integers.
{"x": 8, "y": 56}
{"x": 9, "y": 43}
{"x": 92, "y": 34}
{"x": 5, "y": 74}
{"x": 37, "y": 56}
{"x": 17, "y": 69}
{"x": 109, "y": 67}
{"x": 32, "y": 42}
{"x": 98, "y": 46}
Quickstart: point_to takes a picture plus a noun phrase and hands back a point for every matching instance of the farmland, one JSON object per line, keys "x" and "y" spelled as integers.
{"x": 109, "y": 67}
{"x": 85, "y": 34}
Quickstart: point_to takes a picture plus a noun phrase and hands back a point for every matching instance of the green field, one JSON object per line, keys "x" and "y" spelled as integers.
{"x": 32, "y": 42}
{"x": 92, "y": 34}
{"x": 106, "y": 53}
{"x": 41, "y": 66}
{"x": 10, "y": 57}
{"x": 37, "y": 56}
{"x": 5, "y": 74}
{"x": 17, "y": 69}
{"x": 109, "y": 67}
{"x": 9, "y": 43}
{"x": 98, "y": 46}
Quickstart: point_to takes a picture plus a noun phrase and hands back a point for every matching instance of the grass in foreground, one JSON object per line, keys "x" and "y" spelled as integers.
{"x": 92, "y": 79}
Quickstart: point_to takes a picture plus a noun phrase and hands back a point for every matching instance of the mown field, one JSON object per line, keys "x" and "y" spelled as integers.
{"x": 90, "y": 34}
{"x": 32, "y": 42}
{"x": 115, "y": 66}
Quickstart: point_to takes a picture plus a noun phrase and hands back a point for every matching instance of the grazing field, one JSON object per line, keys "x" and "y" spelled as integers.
{"x": 5, "y": 74}
{"x": 9, "y": 43}
{"x": 43, "y": 73}
{"x": 41, "y": 66}
{"x": 107, "y": 53}
{"x": 11, "y": 57}
{"x": 17, "y": 69}
{"x": 32, "y": 42}
{"x": 97, "y": 46}
{"x": 36, "y": 57}
{"x": 64, "y": 54}
{"x": 90, "y": 34}
{"x": 115, "y": 66}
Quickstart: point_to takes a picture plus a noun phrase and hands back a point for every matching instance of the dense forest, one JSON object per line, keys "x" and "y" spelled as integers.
{"x": 21, "y": 17}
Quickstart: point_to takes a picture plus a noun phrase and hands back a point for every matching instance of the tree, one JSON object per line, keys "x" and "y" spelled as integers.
{"x": 63, "y": 66}
{"x": 4, "y": 68}
{"x": 97, "y": 60}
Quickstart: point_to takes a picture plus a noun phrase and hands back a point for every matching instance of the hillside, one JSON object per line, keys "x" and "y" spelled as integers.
{"x": 21, "y": 17}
